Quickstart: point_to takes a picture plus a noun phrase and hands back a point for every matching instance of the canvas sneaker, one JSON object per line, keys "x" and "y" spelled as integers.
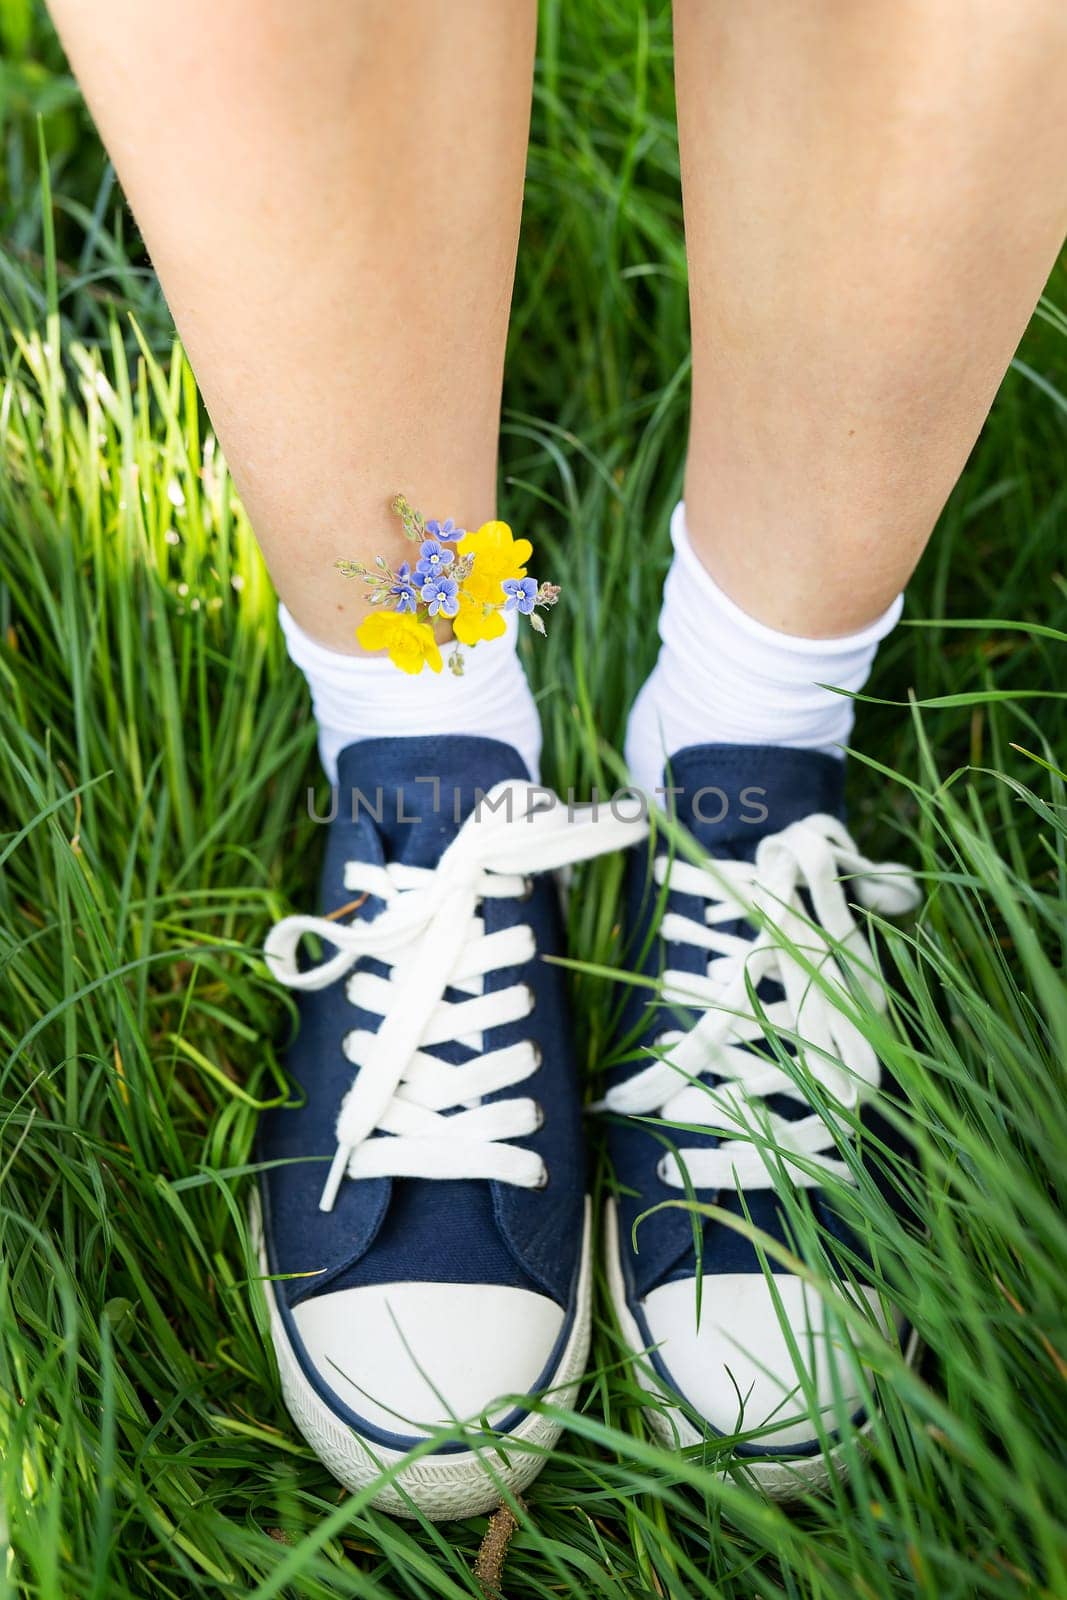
{"x": 424, "y": 1223}
{"x": 757, "y": 941}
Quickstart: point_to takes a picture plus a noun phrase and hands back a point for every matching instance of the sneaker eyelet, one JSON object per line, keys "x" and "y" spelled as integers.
{"x": 533, "y": 998}
{"x": 540, "y": 1112}
{"x": 527, "y": 891}
{"x": 538, "y": 1054}
{"x": 542, "y": 1182}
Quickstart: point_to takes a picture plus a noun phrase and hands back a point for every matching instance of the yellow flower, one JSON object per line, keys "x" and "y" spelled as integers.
{"x": 497, "y": 555}
{"x": 410, "y": 643}
{"x": 474, "y": 623}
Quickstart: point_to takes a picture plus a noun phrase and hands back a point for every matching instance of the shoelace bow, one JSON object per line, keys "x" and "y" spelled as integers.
{"x": 809, "y": 856}
{"x": 408, "y": 1113}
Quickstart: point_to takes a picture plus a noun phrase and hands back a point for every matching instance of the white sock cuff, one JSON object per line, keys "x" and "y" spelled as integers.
{"x": 487, "y": 668}
{"x": 364, "y": 697}
{"x": 722, "y": 677}
{"x": 694, "y": 572}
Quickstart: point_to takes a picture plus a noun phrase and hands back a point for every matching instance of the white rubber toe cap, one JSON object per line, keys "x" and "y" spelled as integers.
{"x": 736, "y": 1369}
{"x": 408, "y": 1357}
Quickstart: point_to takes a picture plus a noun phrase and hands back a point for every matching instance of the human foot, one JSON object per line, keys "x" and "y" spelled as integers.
{"x": 440, "y": 1128}
{"x": 758, "y": 1351}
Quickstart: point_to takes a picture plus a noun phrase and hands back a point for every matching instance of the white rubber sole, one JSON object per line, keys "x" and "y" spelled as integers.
{"x": 462, "y": 1483}
{"x": 780, "y": 1478}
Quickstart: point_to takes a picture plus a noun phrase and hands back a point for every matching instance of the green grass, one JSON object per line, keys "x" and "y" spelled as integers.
{"x": 154, "y": 755}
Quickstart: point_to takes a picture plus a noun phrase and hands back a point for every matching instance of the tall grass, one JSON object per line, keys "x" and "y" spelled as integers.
{"x": 154, "y": 755}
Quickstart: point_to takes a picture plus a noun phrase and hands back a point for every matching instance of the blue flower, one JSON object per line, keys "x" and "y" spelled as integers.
{"x": 433, "y": 559}
{"x": 404, "y": 591}
{"x": 521, "y": 594}
{"x": 445, "y": 531}
{"x": 442, "y": 595}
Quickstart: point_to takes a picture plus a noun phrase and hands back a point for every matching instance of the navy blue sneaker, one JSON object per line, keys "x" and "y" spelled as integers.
{"x": 769, "y": 906}
{"x": 425, "y": 1229}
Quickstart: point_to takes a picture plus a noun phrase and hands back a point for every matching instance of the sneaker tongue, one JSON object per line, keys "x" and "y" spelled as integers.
{"x": 731, "y": 796}
{"x": 418, "y": 791}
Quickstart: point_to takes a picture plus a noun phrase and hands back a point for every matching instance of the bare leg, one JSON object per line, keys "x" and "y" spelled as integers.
{"x": 874, "y": 195}
{"x": 331, "y": 195}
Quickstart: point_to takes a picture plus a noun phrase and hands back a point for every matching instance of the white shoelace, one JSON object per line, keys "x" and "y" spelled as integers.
{"x": 409, "y": 1114}
{"x": 791, "y": 944}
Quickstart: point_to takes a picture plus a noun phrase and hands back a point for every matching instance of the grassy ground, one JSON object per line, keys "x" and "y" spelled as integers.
{"x": 154, "y": 753}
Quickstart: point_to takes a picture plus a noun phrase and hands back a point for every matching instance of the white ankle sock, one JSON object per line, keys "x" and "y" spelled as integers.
{"x": 723, "y": 678}
{"x": 366, "y": 697}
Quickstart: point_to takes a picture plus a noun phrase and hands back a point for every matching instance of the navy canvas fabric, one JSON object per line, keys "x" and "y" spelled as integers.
{"x": 417, "y": 1230}
{"x": 722, "y": 791}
